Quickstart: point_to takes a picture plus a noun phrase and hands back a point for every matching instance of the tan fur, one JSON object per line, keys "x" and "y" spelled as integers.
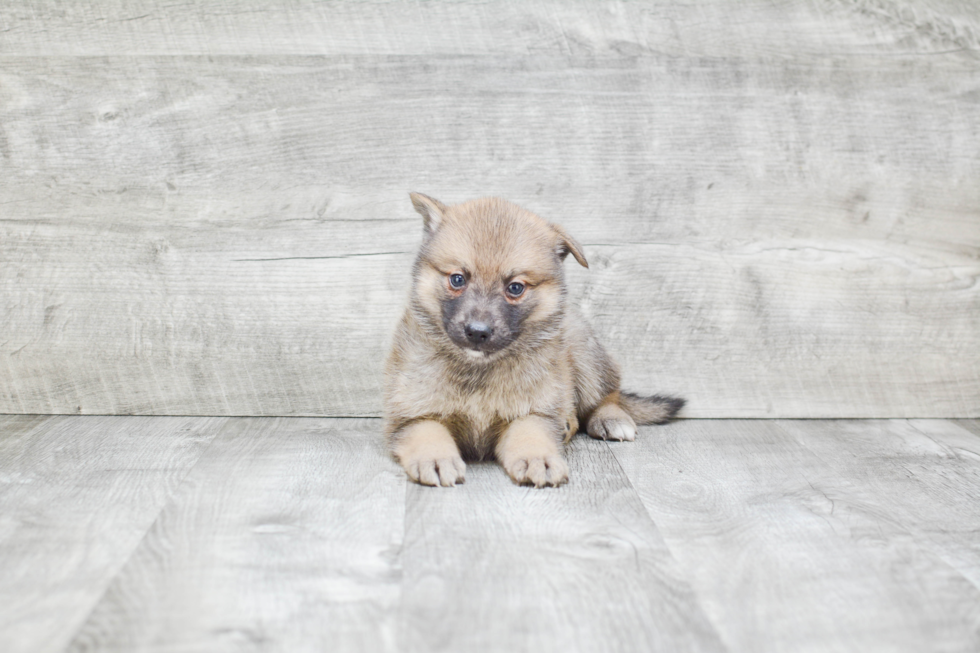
{"x": 610, "y": 422}
{"x": 429, "y": 454}
{"x": 449, "y": 396}
{"x": 529, "y": 453}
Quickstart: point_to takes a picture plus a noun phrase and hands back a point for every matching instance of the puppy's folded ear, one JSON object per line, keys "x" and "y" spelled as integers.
{"x": 431, "y": 210}
{"x": 567, "y": 245}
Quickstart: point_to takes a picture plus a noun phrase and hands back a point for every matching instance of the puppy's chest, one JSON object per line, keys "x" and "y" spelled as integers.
{"x": 488, "y": 403}
{"x": 497, "y": 398}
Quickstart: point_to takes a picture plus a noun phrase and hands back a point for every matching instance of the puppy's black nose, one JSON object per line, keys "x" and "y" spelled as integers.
{"x": 478, "y": 332}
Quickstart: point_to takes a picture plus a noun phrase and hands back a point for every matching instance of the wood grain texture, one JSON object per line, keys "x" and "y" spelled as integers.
{"x": 76, "y": 497}
{"x": 490, "y": 566}
{"x": 296, "y": 534}
{"x": 284, "y": 537}
{"x": 924, "y": 474}
{"x": 777, "y": 199}
{"x": 582, "y": 27}
{"x": 787, "y": 550}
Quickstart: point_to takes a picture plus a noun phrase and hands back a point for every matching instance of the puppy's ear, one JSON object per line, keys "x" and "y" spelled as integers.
{"x": 567, "y": 245}
{"x": 431, "y": 210}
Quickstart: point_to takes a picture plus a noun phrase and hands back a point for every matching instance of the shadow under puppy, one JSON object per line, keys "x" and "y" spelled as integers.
{"x": 490, "y": 361}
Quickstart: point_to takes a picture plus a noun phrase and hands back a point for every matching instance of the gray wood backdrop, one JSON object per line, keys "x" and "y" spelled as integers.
{"x": 203, "y": 205}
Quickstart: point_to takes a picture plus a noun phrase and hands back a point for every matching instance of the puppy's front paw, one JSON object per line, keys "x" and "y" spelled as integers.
{"x": 429, "y": 454}
{"x": 538, "y": 471}
{"x": 529, "y": 452}
{"x": 426, "y": 470}
{"x": 610, "y": 422}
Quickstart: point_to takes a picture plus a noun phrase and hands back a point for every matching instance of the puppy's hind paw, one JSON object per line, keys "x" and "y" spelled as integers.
{"x": 538, "y": 471}
{"x": 610, "y": 422}
{"x": 612, "y": 429}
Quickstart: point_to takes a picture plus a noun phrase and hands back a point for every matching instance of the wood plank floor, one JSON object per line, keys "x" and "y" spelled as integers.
{"x": 299, "y": 534}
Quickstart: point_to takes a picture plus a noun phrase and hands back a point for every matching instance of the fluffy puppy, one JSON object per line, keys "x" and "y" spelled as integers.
{"x": 489, "y": 361}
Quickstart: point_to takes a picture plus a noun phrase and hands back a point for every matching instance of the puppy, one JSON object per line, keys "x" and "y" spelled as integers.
{"x": 490, "y": 361}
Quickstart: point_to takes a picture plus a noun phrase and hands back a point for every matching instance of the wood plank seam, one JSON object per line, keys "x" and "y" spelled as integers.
{"x": 82, "y": 623}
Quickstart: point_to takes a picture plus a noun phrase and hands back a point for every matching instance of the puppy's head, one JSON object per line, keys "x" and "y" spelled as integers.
{"x": 488, "y": 279}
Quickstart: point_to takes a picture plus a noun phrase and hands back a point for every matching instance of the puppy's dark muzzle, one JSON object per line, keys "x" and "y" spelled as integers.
{"x": 474, "y": 323}
{"x": 478, "y": 334}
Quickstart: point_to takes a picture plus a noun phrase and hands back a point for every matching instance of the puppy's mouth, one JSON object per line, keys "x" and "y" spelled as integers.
{"x": 482, "y": 357}
{"x": 479, "y": 352}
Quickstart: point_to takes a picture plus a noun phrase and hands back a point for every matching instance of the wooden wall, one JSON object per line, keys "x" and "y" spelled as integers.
{"x": 204, "y": 210}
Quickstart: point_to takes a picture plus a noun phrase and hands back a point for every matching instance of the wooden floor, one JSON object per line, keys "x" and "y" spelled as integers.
{"x": 295, "y": 534}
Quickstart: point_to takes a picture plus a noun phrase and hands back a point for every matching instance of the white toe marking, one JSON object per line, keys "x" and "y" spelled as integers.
{"x": 621, "y": 431}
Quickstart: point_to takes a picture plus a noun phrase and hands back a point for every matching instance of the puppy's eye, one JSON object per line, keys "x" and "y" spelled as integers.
{"x": 515, "y": 289}
{"x": 457, "y": 281}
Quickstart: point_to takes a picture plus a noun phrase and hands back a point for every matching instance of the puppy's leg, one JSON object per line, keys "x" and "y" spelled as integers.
{"x": 429, "y": 454}
{"x": 529, "y": 451}
{"x": 610, "y": 422}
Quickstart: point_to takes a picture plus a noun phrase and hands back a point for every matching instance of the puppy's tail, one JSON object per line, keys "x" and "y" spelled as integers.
{"x": 650, "y": 410}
